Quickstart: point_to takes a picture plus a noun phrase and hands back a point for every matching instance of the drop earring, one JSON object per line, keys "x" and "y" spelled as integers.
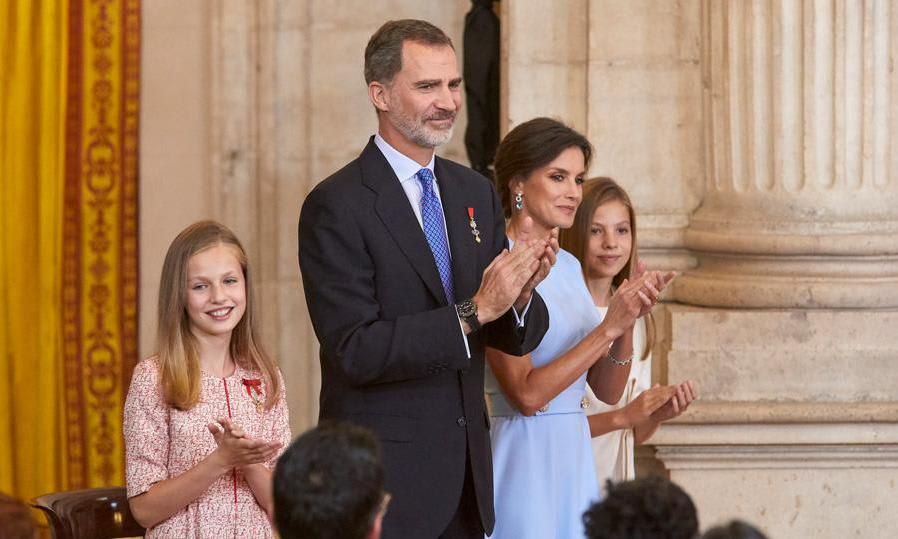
{"x": 519, "y": 201}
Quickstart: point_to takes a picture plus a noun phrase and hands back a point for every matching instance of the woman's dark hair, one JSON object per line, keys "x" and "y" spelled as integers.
{"x": 532, "y": 145}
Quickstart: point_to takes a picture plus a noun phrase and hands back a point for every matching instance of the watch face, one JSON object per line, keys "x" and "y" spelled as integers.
{"x": 466, "y": 308}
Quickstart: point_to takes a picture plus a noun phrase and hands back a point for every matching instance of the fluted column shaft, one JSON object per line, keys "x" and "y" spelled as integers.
{"x": 801, "y": 156}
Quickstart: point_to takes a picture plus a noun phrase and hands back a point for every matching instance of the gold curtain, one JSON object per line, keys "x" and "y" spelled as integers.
{"x": 68, "y": 244}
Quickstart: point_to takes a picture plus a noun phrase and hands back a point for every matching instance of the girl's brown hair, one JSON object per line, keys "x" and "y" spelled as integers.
{"x": 575, "y": 240}
{"x": 178, "y": 356}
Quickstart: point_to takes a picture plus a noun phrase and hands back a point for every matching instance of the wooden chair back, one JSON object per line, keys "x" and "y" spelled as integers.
{"x": 93, "y": 513}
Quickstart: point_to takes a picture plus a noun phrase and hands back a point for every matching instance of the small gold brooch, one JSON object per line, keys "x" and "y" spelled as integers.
{"x": 254, "y": 390}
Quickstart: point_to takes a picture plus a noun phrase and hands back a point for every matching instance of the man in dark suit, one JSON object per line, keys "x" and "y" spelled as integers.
{"x": 407, "y": 279}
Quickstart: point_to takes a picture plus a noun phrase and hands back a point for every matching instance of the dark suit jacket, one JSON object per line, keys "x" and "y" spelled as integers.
{"x": 392, "y": 354}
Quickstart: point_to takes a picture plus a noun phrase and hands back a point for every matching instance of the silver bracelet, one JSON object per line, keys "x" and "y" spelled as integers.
{"x": 618, "y": 362}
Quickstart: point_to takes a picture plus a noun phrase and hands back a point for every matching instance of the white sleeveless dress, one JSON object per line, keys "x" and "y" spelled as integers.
{"x": 614, "y": 451}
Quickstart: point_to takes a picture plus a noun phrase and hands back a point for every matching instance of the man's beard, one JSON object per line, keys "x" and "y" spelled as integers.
{"x": 418, "y": 132}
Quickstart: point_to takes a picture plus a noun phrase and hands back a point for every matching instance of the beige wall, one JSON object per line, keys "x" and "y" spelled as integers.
{"x": 174, "y": 149}
{"x": 756, "y": 141}
{"x": 245, "y": 107}
{"x": 735, "y": 126}
{"x": 627, "y": 74}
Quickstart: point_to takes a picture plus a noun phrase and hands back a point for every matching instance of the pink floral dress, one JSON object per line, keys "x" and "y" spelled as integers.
{"x": 162, "y": 442}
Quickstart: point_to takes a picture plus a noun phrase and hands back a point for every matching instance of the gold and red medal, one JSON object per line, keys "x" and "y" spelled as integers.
{"x": 473, "y": 225}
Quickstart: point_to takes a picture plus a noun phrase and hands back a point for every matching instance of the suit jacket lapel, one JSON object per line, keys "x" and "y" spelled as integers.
{"x": 392, "y": 206}
{"x": 461, "y": 241}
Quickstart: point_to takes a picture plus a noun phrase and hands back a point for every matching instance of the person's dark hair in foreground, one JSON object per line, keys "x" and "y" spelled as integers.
{"x": 646, "y": 508}
{"x": 735, "y": 529}
{"x": 15, "y": 519}
{"x": 329, "y": 484}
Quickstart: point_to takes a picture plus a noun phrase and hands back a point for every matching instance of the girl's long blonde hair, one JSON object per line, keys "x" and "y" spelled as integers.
{"x": 575, "y": 240}
{"x": 178, "y": 356}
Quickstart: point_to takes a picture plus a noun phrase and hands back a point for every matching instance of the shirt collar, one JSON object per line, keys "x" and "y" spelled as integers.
{"x": 404, "y": 167}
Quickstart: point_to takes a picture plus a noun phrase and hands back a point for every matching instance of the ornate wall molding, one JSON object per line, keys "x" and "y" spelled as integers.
{"x": 100, "y": 279}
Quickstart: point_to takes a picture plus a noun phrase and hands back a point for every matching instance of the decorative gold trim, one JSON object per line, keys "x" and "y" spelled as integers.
{"x": 100, "y": 234}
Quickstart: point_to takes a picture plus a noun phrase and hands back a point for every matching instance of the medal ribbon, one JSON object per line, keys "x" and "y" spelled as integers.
{"x": 253, "y": 385}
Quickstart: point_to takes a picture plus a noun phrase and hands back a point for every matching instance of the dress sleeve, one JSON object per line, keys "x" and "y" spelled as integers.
{"x": 280, "y": 422}
{"x": 145, "y": 428}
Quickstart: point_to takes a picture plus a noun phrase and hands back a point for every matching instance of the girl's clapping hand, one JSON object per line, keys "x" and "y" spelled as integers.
{"x": 678, "y": 403}
{"x": 236, "y": 449}
{"x": 647, "y": 403}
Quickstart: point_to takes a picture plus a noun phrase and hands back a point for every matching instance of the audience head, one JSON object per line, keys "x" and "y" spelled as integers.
{"x": 540, "y": 166}
{"x": 329, "y": 484}
{"x": 15, "y": 519}
{"x": 647, "y": 508}
{"x": 206, "y": 290}
{"x": 414, "y": 84}
{"x": 735, "y": 529}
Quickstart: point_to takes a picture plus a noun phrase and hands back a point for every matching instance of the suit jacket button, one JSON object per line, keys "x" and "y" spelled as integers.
{"x": 461, "y": 421}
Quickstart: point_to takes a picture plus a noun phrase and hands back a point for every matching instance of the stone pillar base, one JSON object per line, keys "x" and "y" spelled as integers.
{"x": 820, "y": 490}
{"x": 807, "y": 282}
{"x": 781, "y": 356}
{"x": 833, "y": 265}
{"x": 796, "y": 427}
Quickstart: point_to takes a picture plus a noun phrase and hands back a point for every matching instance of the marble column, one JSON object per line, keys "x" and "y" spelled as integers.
{"x": 626, "y": 74}
{"x": 644, "y": 109}
{"x": 260, "y": 170}
{"x": 544, "y": 62}
{"x": 801, "y": 157}
{"x": 787, "y": 322}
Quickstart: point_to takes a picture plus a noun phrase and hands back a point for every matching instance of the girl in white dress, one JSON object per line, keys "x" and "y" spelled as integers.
{"x": 603, "y": 237}
{"x": 544, "y": 478}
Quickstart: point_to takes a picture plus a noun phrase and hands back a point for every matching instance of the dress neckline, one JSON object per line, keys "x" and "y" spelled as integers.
{"x": 234, "y": 374}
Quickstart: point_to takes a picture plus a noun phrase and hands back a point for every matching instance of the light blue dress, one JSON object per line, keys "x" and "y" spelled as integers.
{"x": 543, "y": 472}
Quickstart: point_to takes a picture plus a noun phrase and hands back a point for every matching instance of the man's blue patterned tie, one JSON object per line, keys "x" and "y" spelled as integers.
{"x": 434, "y": 230}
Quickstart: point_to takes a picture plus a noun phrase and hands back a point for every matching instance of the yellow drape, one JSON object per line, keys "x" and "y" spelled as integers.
{"x": 69, "y": 85}
{"x": 32, "y": 71}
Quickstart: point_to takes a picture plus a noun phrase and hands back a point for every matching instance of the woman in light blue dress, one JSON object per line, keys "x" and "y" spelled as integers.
{"x": 543, "y": 471}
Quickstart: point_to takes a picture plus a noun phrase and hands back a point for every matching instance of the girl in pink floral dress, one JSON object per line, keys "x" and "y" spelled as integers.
{"x": 206, "y": 418}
